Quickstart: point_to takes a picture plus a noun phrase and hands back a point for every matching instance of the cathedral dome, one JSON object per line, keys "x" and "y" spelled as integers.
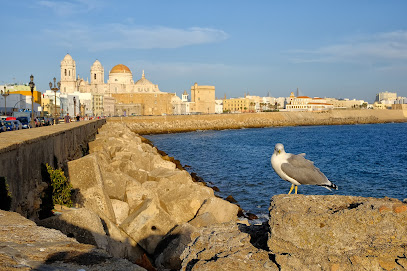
{"x": 144, "y": 81}
{"x": 120, "y": 68}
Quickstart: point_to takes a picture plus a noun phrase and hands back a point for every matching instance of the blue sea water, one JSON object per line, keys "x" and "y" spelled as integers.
{"x": 367, "y": 160}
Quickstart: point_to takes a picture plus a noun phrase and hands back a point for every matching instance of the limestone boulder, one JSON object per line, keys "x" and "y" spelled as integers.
{"x": 169, "y": 250}
{"x": 121, "y": 210}
{"x": 120, "y": 244}
{"x": 137, "y": 193}
{"x": 182, "y": 201}
{"x": 180, "y": 176}
{"x": 337, "y": 232}
{"x": 158, "y": 162}
{"x": 86, "y": 178}
{"x": 115, "y": 184}
{"x": 203, "y": 220}
{"x": 224, "y": 247}
{"x": 148, "y": 224}
{"x": 27, "y": 246}
{"x": 222, "y": 210}
{"x": 138, "y": 174}
{"x": 82, "y": 224}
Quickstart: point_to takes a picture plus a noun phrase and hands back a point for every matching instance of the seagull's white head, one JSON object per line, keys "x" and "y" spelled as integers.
{"x": 279, "y": 148}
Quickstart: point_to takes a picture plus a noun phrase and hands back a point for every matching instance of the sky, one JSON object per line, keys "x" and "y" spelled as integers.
{"x": 343, "y": 49}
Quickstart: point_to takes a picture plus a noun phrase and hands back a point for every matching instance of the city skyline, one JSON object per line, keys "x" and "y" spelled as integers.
{"x": 346, "y": 49}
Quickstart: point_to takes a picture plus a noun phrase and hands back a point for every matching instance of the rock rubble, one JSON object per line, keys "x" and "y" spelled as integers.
{"x": 133, "y": 202}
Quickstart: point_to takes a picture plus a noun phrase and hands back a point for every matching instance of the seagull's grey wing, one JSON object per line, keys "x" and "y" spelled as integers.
{"x": 303, "y": 171}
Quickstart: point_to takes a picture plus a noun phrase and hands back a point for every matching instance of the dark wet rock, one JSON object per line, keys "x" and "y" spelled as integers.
{"x": 231, "y": 199}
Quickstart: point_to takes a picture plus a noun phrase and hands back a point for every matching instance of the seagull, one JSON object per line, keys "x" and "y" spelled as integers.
{"x": 297, "y": 170}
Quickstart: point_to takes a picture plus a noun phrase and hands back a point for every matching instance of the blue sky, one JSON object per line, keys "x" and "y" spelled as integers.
{"x": 343, "y": 49}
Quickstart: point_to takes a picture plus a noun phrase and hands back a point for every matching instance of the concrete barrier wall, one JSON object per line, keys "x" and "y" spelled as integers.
{"x": 24, "y": 153}
{"x": 185, "y": 123}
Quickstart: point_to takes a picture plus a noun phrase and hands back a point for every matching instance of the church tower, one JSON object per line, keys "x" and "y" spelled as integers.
{"x": 68, "y": 75}
{"x": 97, "y": 73}
{"x": 185, "y": 96}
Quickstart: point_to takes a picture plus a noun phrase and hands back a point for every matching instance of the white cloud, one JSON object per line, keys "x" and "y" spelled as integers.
{"x": 387, "y": 47}
{"x": 67, "y": 8}
{"x": 120, "y": 36}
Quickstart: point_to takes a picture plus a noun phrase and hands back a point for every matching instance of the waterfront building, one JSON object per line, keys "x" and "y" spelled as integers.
{"x": 202, "y": 99}
{"x": 218, "y": 106}
{"x": 386, "y": 96}
{"x": 345, "y": 103}
{"x": 238, "y": 105}
{"x": 305, "y": 103}
{"x": 121, "y": 95}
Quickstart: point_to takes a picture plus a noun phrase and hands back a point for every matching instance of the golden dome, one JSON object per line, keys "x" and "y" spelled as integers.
{"x": 120, "y": 68}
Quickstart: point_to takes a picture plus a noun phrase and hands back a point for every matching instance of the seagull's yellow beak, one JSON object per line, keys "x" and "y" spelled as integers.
{"x": 279, "y": 151}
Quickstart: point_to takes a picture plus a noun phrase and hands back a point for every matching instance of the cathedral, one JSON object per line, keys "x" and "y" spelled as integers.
{"x": 119, "y": 93}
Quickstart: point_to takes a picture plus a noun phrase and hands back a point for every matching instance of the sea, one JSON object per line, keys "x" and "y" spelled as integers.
{"x": 368, "y": 160}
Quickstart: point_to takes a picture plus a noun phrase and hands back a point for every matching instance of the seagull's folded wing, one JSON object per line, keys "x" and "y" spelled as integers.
{"x": 303, "y": 171}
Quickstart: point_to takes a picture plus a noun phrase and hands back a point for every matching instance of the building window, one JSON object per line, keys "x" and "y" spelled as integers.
{"x": 65, "y": 72}
{"x": 95, "y": 76}
{"x": 69, "y": 72}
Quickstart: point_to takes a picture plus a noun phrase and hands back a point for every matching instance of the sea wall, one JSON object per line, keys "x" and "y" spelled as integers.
{"x": 185, "y": 123}
{"x": 24, "y": 153}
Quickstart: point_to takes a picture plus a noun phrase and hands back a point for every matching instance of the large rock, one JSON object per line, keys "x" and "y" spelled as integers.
{"x": 121, "y": 210}
{"x": 84, "y": 225}
{"x": 25, "y": 246}
{"x": 85, "y": 176}
{"x": 148, "y": 224}
{"x": 338, "y": 233}
{"x": 115, "y": 184}
{"x": 169, "y": 250}
{"x": 224, "y": 247}
{"x": 182, "y": 201}
{"x": 222, "y": 210}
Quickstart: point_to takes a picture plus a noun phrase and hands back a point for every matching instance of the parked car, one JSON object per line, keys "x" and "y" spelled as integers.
{"x": 3, "y": 127}
{"x": 18, "y": 124}
{"x": 25, "y": 122}
{"x": 10, "y": 125}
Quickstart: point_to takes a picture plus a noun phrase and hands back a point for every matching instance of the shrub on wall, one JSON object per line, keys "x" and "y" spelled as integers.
{"x": 61, "y": 188}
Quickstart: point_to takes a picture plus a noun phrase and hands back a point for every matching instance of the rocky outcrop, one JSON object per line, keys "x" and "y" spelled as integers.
{"x": 338, "y": 233}
{"x": 26, "y": 246}
{"x": 224, "y": 247}
{"x": 137, "y": 202}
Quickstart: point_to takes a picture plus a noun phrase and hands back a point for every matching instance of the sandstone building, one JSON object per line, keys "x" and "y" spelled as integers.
{"x": 120, "y": 95}
{"x": 202, "y": 99}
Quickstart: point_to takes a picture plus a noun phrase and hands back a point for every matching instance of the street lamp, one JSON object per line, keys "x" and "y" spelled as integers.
{"x": 32, "y": 85}
{"x": 74, "y": 107}
{"x": 55, "y": 89}
{"x": 5, "y": 94}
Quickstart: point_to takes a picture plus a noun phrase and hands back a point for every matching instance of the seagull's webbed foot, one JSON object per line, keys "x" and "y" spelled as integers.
{"x": 291, "y": 189}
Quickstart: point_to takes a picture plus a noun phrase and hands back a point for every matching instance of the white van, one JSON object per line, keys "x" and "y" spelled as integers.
{"x": 3, "y": 117}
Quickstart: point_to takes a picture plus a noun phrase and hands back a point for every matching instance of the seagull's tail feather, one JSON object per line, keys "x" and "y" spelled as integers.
{"x": 329, "y": 186}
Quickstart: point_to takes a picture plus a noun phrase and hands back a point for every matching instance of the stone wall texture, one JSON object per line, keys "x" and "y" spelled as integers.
{"x": 186, "y": 123}
{"x": 24, "y": 153}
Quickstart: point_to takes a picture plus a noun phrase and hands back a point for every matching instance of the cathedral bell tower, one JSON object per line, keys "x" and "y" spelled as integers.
{"x": 68, "y": 75}
{"x": 97, "y": 73}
